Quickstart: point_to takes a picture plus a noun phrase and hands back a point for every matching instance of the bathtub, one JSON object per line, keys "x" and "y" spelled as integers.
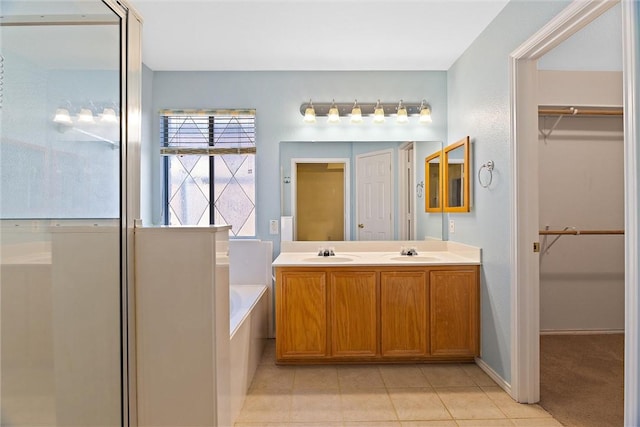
{"x": 248, "y": 329}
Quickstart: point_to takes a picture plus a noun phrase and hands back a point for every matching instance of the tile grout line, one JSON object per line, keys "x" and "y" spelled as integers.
{"x": 386, "y": 389}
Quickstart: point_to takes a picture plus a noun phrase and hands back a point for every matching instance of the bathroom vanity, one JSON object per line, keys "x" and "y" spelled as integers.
{"x": 377, "y": 306}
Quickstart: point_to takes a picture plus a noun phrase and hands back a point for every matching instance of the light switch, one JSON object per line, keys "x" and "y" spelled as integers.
{"x": 274, "y": 227}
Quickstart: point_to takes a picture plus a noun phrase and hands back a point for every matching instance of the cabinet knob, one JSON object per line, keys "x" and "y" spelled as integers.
{"x": 360, "y": 225}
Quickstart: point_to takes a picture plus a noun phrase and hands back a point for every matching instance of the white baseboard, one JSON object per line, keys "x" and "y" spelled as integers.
{"x": 580, "y": 331}
{"x": 494, "y": 375}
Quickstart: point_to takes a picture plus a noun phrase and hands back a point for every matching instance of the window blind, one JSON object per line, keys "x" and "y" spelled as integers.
{"x": 207, "y": 132}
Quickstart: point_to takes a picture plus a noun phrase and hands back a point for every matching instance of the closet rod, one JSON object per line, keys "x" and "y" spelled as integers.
{"x": 577, "y": 111}
{"x": 578, "y": 232}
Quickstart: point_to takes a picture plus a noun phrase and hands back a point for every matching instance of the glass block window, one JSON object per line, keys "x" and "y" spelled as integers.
{"x": 209, "y": 168}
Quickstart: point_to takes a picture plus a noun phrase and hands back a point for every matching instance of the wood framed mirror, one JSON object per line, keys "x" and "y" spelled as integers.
{"x": 455, "y": 176}
{"x": 433, "y": 182}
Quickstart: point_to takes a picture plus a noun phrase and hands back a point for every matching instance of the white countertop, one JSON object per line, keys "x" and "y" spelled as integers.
{"x": 347, "y": 254}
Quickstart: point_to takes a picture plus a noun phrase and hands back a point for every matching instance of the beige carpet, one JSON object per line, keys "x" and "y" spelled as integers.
{"x": 582, "y": 379}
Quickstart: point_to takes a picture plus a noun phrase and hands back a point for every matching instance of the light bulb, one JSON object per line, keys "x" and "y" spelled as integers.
{"x": 425, "y": 113}
{"x": 402, "y": 116}
{"x": 334, "y": 114}
{"x": 85, "y": 115}
{"x": 109, "y": 116}
{"x": 62, "y": 116}
{"x": 378, "y": 113}
{"x": 310, "y": 114}
{"x": 356, "y": 113}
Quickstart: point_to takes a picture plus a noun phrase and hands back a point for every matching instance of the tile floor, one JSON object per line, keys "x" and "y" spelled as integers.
{"x": 425, "y": 395}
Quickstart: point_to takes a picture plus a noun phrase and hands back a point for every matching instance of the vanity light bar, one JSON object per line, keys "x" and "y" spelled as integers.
{"x": 322, "y": 109}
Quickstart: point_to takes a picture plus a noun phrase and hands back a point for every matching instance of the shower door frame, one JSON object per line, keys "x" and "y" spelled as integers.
{"x": 131, "y": 138}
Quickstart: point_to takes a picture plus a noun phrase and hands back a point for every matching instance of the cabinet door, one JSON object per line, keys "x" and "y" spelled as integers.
{"x": 454, "y": 312}
{"x": 301, "y": 314}
{"x": 403, "y": 313}
{"x": 353, "y": 313}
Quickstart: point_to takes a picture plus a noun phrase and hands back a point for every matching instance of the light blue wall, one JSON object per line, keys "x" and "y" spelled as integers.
{"x": 478, "y": 89}
{"x": 149, "y": 164}
{"x": 596, "y": 47}
{"x": 277, "y": 96}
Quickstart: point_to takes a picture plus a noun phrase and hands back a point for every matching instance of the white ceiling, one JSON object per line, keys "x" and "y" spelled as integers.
{"x": 310, "y": 34}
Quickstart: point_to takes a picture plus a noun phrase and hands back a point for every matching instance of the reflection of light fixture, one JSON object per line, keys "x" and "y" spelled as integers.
{"x": 310, "y": 114}
{"x": 425, "y": 113}
{"x": 402, "y": 114}
{"x": 356, "y": 113}
{"x": 68, "y": 115}
{"x": 334, "y": 114}
{"x": 378, "y": 113}
{"x": 85, "y": 115}
{"x": 108, "y": 116}
{"x": 62, "y": 116}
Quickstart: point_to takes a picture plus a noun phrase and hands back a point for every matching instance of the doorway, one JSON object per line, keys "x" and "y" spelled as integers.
{"x": 582, "y": 275}
{"x": 320, "y": 199}
{"x": 525, "y": 288}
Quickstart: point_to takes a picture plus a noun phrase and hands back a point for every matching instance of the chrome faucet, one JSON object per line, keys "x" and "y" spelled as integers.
{"x": 326, "y": 252}
{"x": 408, "y": 252}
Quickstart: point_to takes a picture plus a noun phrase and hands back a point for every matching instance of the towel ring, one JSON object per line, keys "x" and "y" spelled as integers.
{"x": 489, "y": 165}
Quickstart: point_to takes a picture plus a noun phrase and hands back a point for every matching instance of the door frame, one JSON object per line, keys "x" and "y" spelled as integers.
{"x": 406, "y": 195}
{"x": 525, "y": 304}
{"x": 347, "y": 188}
{"x": 391, "y": 189}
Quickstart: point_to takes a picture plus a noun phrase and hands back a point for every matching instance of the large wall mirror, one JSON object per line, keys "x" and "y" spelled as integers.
{"x": 356, "y": 190}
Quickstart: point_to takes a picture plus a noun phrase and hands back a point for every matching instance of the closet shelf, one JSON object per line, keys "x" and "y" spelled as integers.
{"x": 578, "y": 232}
{"x": 550, "y": 110}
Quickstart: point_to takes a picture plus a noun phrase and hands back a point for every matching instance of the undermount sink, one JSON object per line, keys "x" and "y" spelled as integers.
{"x": 328, "y": 259}
{"x": 416, "y": 258}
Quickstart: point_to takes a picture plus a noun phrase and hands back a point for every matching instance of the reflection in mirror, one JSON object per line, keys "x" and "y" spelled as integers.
{"x": 401, "y": 195}
{"x": 433, "y": 175}
{"x": 320, "y": 201}
{"x": 456, "y": 176}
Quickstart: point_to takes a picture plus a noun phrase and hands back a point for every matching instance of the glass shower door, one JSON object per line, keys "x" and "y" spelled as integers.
{"x": 60, "y": 215}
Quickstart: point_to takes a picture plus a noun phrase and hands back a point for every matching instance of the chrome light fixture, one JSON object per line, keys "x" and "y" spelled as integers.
{"x": 310, "y": 113}
{"x": 356, "y": 113}
{"x": 425, "y": 113}
{"x": 334, "y": 114}
{"x": 402, "y": 116}
{"x": 378, "y": 113}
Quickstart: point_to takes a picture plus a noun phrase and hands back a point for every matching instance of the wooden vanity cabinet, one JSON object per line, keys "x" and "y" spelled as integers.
{"x": 377, "y": 314}
{"x": 353, "y": 314}
{"x": 454, "y": 307}
{"x": 404, "y": 313}
{"x": 301, "y": 315}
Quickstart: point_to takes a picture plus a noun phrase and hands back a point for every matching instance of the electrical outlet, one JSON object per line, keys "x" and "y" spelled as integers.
{"x": 274, "y": 227}
{"x": 452, "y": 226}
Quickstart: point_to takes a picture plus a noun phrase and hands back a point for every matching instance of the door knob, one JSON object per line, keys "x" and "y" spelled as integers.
{"x": 360, "y": 225}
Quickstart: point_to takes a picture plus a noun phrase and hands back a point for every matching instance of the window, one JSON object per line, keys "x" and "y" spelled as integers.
{"x": 209, "y": 168}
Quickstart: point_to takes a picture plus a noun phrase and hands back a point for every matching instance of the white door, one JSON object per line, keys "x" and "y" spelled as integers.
{"x": 373, "y": 193}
